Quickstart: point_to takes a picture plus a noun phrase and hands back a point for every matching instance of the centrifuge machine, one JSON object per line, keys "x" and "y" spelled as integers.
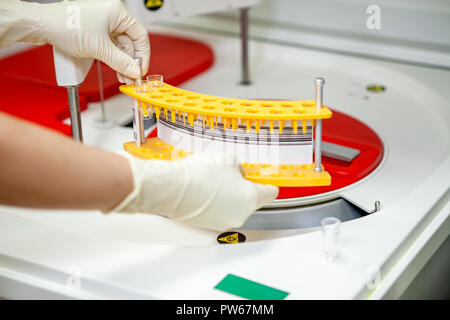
{"x": 386, "y": 148}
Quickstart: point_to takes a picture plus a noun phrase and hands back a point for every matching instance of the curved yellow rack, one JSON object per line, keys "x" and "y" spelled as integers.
{"x": 231, "y": 112}
{"x": 190, "y": 107}
{"x": 282, "y": 175}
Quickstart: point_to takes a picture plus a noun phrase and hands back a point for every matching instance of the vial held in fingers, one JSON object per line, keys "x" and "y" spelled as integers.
{"x": 145, "y": 87}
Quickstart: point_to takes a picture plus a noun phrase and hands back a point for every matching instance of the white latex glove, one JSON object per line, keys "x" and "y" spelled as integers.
{"x": 206, "y": 190}
{"x": 100, "y": 29}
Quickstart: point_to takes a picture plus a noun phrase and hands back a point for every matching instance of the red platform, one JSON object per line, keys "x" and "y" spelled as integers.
{"x": 350, "y": 132}
{"x": 35, "y": 66}
{"x": 45, "y": 106}
{"x": 346, "y": 131}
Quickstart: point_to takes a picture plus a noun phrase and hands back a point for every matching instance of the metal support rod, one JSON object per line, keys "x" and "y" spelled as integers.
{"x": 139, "y": 126}
{"x": 318, "y": 82}
{"x": 75, "y": 117}
{"x": 377, "y": 206}
{"x": 244, "y": 46}
{"x": 100, "y": 85}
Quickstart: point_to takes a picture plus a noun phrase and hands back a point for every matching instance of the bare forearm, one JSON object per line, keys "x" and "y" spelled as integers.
{"x": 43, "y": 169}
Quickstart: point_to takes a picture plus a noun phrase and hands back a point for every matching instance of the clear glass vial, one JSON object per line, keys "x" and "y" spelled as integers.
{"x": 330, "y": 232}
{"x": 155, "y": 80}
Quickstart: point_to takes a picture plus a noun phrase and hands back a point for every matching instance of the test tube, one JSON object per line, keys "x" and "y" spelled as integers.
{"x": 155, "y": 80}
{"x": 330, "y": 232}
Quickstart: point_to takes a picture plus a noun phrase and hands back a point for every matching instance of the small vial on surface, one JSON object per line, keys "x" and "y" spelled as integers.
{"x": 155, "y": 80}
{"x": 330, "y": 232}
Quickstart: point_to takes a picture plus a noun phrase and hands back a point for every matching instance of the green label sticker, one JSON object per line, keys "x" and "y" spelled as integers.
{"x": 249, "y": 289}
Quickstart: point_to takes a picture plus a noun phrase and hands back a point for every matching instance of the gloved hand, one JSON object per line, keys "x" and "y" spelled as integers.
{"x": 100, "y": 29}
{"x": 205, "y": 190}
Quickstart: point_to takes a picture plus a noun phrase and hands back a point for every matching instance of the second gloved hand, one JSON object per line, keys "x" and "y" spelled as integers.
{"x": 206, "y": 190}
{"x": 100, "y": 29}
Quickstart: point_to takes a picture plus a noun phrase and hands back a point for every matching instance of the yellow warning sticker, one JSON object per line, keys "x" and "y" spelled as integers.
{"x": 231, "y": 237}
{"x": 153, "y": 4}
{"x": 376, "y": 88}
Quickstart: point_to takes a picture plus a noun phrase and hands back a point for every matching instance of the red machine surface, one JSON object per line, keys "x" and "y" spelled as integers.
{"x": 346, "y": 131}
{"x": 29, "y": 90}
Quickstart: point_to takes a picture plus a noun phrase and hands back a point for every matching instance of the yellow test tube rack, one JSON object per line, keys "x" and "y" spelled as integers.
{"x": 252, "y": 114}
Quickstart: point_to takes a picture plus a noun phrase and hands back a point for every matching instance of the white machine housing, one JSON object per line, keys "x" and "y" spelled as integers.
{"x": 409, "y": 30}
{"x": 70, "y": 71}
{"x": 147, "y": 256}
{"x": 181, "y": 8}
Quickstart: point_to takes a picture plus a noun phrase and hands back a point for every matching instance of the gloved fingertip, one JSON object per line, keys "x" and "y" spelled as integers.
{"x": 145, "y": 64}
{"x": 120, "y": 77}
{"x": 123, "y": 79}
{"x": 266, "y": 193}
{"x": 128, "y": 80}
{"x": 122, "y": 62}
{"x": 132, "y": 71}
